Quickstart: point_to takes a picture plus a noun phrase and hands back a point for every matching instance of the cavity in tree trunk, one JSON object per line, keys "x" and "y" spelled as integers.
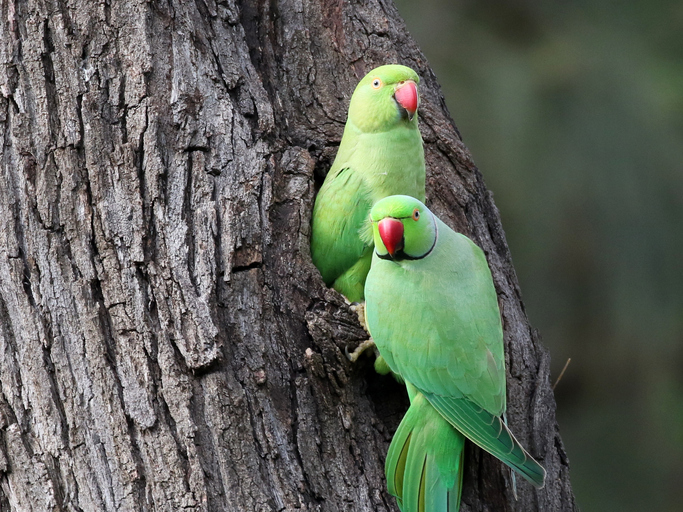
{"x": 165, "y": 341}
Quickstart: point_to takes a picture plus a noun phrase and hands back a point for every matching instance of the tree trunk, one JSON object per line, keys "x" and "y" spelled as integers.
{"x": 165, "y": 341}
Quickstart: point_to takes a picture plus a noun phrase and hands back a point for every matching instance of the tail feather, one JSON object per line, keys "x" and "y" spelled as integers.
{"x": 490, "y": 433}
{"x": 437, "y": 496}
{"x": 414, "y": 484}
{"x": 425, "y": 461}
{"x": 396, "y": 462}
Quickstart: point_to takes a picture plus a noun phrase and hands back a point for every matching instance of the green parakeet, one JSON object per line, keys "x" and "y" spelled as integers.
{"x": 432, "y": 310}
{"x": 380, "y": 154}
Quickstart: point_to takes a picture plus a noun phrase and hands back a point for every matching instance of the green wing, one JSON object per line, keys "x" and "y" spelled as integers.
{"x": 424, "y": 465}
{"x": 341, "y": 209}
{"x": 490, "y": 433}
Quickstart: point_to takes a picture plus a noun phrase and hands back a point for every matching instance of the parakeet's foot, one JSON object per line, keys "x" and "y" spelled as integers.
{"x": 381, "y": 365}
{"x": 353, "y": 356}
{"x": 359, "y": 309}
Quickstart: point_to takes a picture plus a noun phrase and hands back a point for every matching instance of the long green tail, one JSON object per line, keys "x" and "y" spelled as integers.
{"x": 424, "y": 465}
{"x": 490, "y": 433}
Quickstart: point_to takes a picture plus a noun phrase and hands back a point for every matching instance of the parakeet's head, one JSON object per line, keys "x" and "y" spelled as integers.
{"x": 384, "y": 98}
{"x": 403, "y": 228}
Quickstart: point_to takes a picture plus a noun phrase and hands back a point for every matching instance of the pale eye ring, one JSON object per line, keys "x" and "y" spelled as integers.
{"x": 376, "y": 83}
{"x": 416, "y": 214}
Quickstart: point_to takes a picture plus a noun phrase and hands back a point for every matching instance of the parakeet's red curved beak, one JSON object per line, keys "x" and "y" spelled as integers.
{"x": 391, "y": 233}
{"x": 406, "y": 96}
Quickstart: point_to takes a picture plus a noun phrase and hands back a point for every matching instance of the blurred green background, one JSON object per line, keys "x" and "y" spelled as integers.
{"x": 573, "y": 112}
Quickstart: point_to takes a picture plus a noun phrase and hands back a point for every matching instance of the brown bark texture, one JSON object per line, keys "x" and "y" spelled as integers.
{"x": 165, "y": 341}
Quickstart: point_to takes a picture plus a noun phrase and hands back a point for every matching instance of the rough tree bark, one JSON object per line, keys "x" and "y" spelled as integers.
{"x": 165, "y": 342}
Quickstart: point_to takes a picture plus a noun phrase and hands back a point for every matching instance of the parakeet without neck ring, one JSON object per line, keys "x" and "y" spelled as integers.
{"x": 380, "y": 154}
{"x": 432, "y": 310}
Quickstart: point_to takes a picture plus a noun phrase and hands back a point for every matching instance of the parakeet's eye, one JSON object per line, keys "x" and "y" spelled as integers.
{"x": 416, "y": 214}
{"x": 376, "y": 83}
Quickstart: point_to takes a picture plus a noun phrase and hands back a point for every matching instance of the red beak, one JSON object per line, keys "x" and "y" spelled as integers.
{"x": 391, "y": 233}
{"x": 406, "y": 96}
